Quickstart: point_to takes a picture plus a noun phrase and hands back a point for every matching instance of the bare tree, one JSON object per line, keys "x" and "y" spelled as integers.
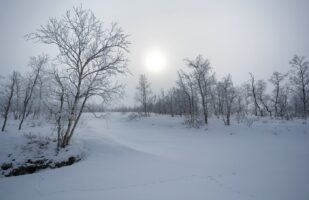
{"x": 276, "y": 79}
{"x": 283, "y": 102}
{"x": 253, "y": 95}
{"x": 186, "y": 85}
{"x": 171, "y": 101}
{"x": 10, "y": 92}
{"x": 228, "y": 98}
{"x": 144, "y": 94}
{"x": 263, "y": 98}
{"x": 163, "y": 102}
{"x": 16, "y": 108}
{"x": 179, "y": 104}
{"x": 240, "y": 104}
{"x": 89, "y": 55}
{"x": 37, "y": 64}
{"x": 217, "y": 98}
{"x": 300, "y": 79}
{"x": 204, "y": 79}
{"x": 38, "y": 97}
{"x": 56, "y": 105}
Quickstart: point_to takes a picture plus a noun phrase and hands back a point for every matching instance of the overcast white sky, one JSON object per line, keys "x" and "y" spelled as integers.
{"x": 238, "y": 36}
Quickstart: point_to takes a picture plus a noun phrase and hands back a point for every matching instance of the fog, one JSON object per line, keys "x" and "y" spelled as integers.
{"x": 236, "y": 36}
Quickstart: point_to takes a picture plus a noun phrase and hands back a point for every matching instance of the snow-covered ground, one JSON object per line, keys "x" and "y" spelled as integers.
{"x": 35, "y": 143}
{"x": 158, "y": 158}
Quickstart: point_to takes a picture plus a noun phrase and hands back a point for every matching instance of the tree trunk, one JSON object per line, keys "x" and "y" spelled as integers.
{"x": 6, "y": 113}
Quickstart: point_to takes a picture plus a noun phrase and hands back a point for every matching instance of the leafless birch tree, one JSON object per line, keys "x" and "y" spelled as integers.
{"x": 9, "y": 90}
{"x": 253, "y": 94}
{"x": 276, "y": 79}
{"x": 203, "y": 79}
{"x": 144, "y": 94}
{"x": 37, "y": 64}
{"x": 90, "y": 55}
{"x": 300, "y": 79}
{"x": 228, "y": 93}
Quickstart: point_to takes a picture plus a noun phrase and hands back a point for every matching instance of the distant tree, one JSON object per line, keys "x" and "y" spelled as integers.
{"x": 90, "y": 55}
{"x": 300, "y": 79}
{"x": 228, "y": 93}
{"x": 38, "y": 97}
{"x": 276, "y": 79}
{"x": 179, "y": 100}
{"x": 262, "y": 97}
{"x": 253, "y": 95}
{"x": 187, "y": 87}
{"x": 163, "y": 102}
{"x": 283, "y": 102}
{"x": 241, "y": 109}
{"x": 171, "y": 101}
{"x": 144, "y": 94}
{"x": 37, "y": 64}
{"x": 9, "y": 92}
{"x": 204, "y": 79}
{"x": 217, "y": 99}
{"x": 17, "y": 98}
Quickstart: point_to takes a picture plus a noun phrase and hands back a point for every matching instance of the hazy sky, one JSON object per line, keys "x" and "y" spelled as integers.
{"x": 238, "y": 36}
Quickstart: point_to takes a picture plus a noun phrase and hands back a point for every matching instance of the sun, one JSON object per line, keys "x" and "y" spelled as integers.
{"x": 155, "y": 61}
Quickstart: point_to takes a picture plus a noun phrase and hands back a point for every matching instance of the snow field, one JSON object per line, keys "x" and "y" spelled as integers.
{"x": 159, "y": 158}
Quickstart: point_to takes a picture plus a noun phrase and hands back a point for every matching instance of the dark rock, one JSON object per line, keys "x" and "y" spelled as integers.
{"x": 6, "y": 166}
{"x": 31, "y": 169}
{"x": 29, "y": 161}
{"x": 40, "y": 162}
{"x": 32, "y": 166}
{"x": 71, "y": 160}
{"x": 23, "y": 170}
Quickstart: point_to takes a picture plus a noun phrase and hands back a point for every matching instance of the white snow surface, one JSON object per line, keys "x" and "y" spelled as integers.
{"x": 158, "y": 158}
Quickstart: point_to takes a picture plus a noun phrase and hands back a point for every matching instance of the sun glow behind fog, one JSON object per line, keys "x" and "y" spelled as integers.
{"x": 155, "y": 61}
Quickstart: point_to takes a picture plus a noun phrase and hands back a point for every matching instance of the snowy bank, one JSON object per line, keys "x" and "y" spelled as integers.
{"x": 33, "y": 149}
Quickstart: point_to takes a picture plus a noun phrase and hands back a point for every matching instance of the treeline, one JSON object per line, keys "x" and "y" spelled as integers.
{"x": 198, "y": 94}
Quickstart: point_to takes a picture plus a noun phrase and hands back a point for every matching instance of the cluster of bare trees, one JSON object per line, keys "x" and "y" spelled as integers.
{"x": 22, "y": 95}
{"x": 198, "y": 94}
{"x": 89, "y": 56}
